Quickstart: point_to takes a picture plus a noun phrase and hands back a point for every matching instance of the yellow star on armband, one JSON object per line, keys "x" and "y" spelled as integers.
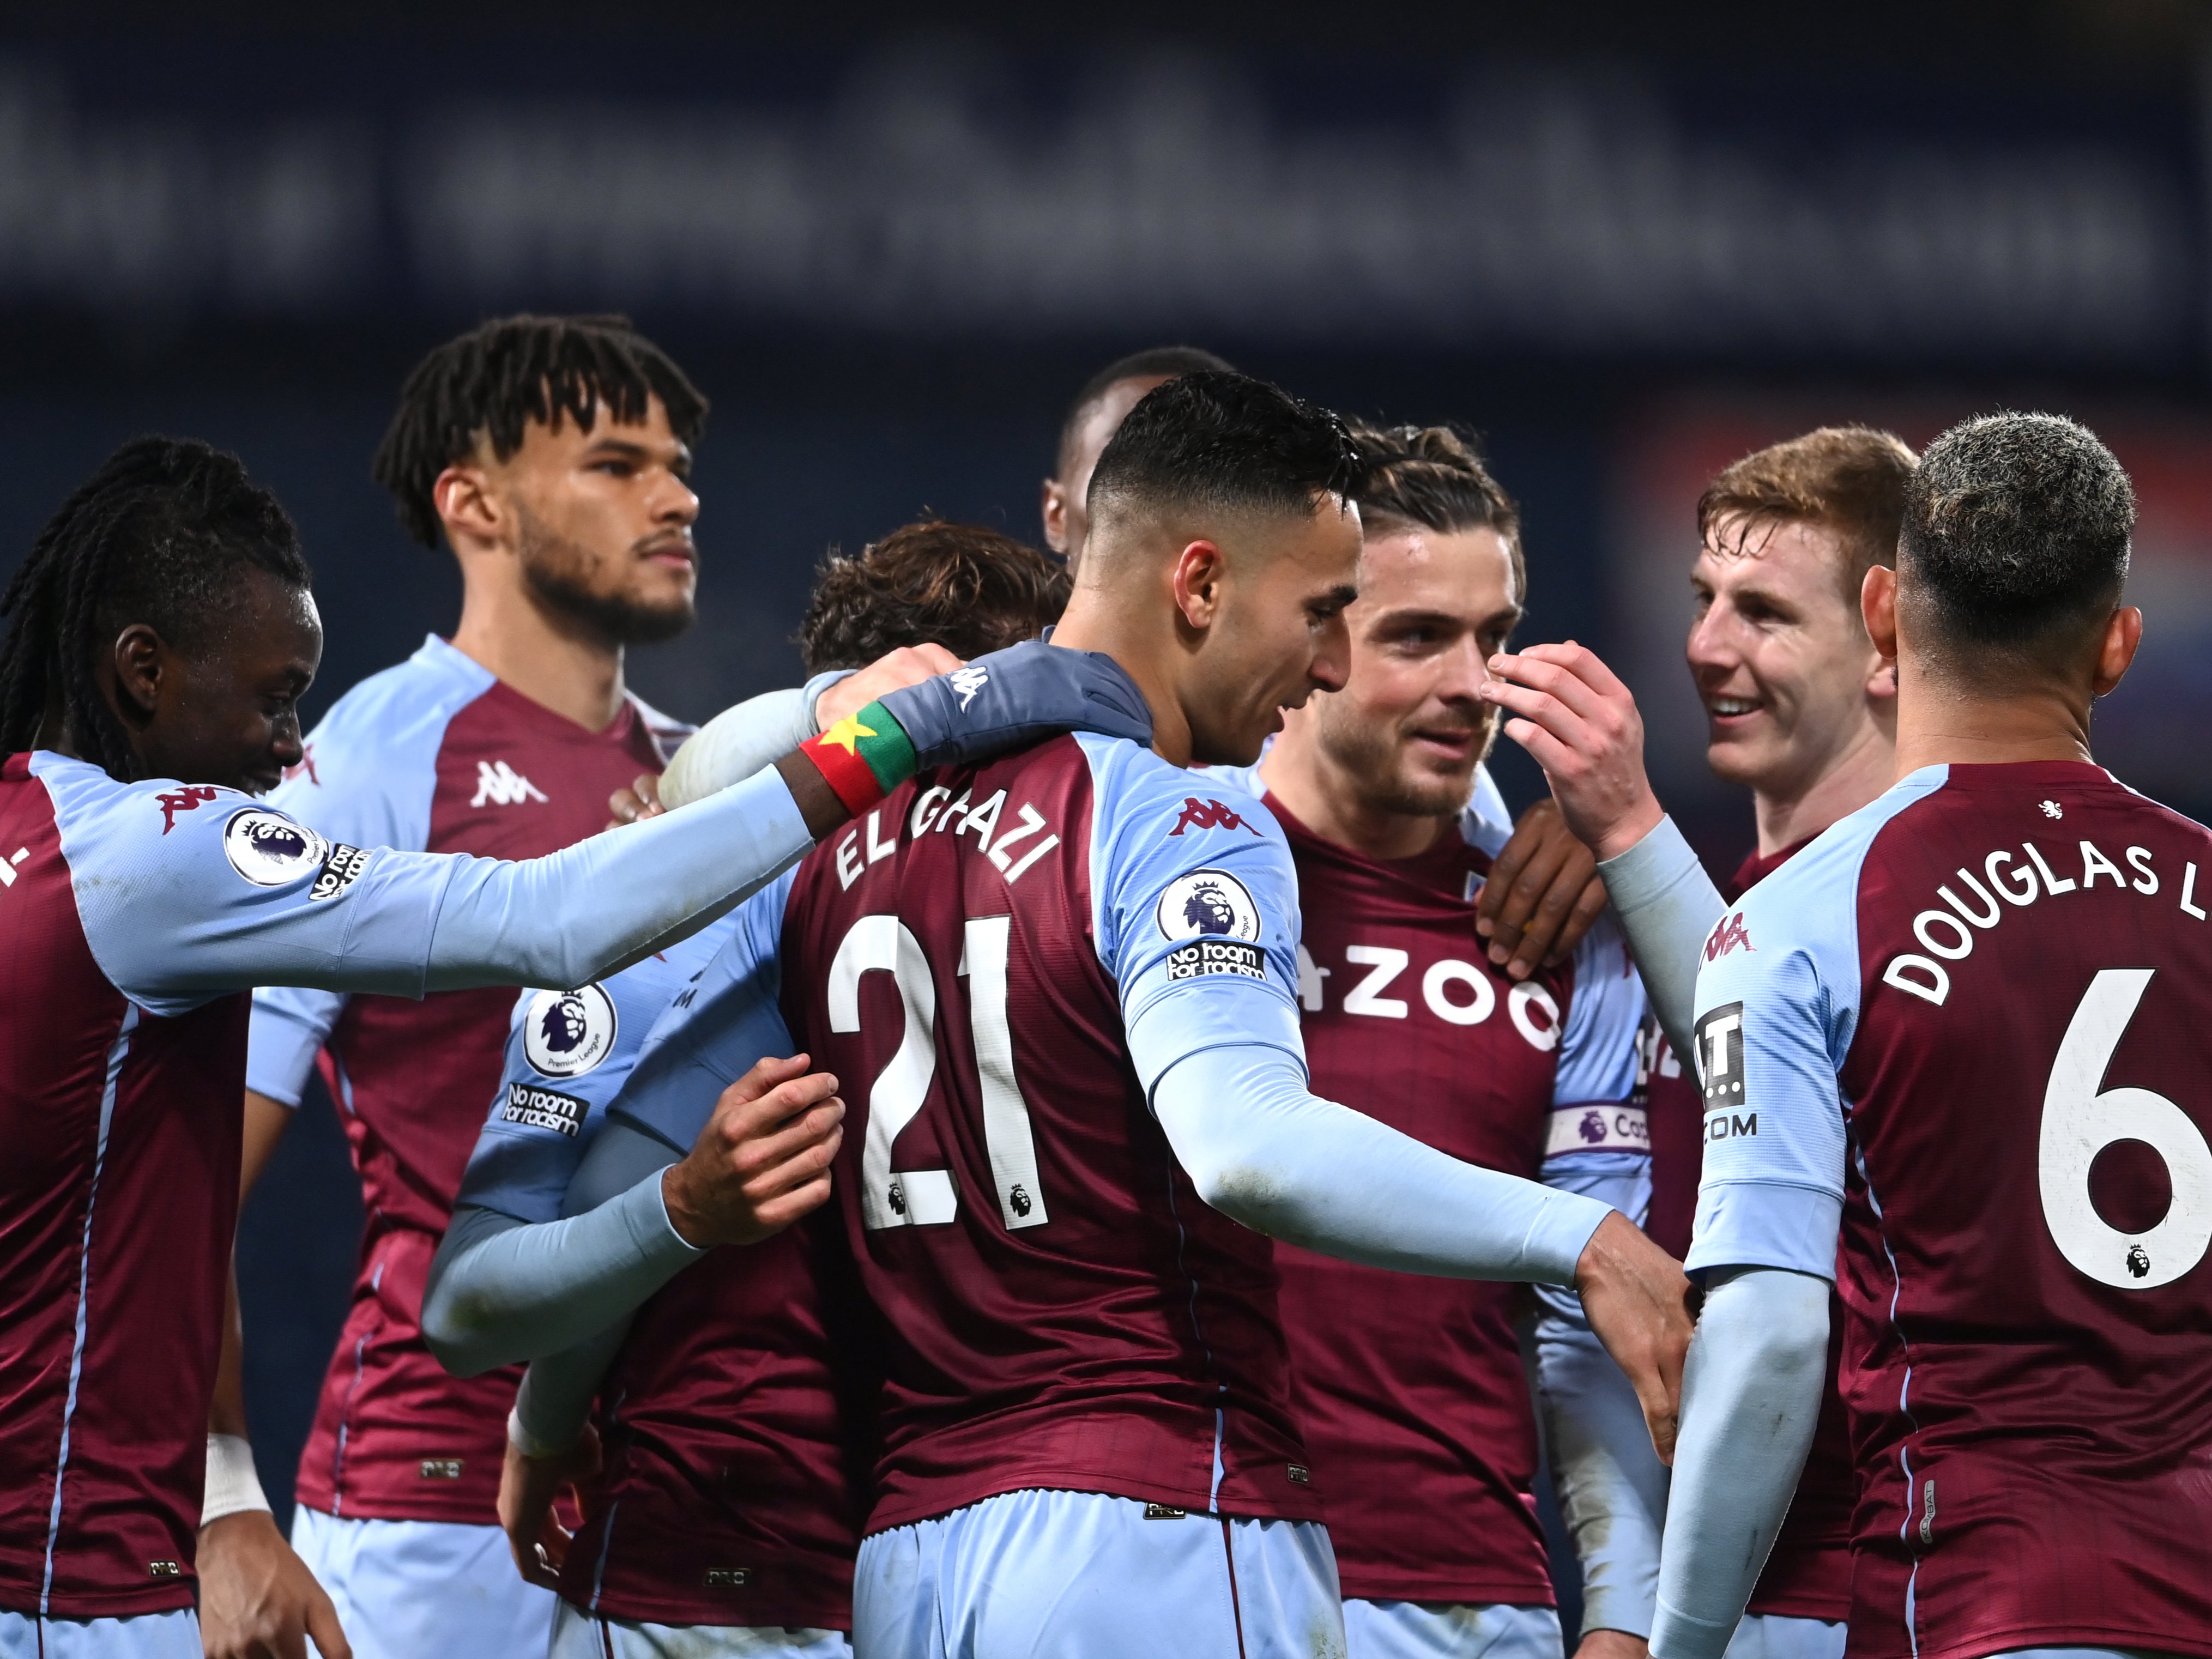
{"x": 848, "y": 733}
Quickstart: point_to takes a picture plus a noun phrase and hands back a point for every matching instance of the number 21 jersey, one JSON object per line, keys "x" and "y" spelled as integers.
{"x": 977, "y": 960}
{"x": 1973, "y": 1023}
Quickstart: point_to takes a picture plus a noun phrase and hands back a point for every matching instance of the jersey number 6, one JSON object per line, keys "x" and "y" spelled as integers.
{"x": 2078, "y": 1123}
{"x": 928, "y": 1198}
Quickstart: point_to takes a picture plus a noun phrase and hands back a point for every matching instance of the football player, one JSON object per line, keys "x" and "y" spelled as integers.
{"x": 1067, "y": 1008}
{"x": 1801, "y": 708}
{"x": 1411, "y": 1391}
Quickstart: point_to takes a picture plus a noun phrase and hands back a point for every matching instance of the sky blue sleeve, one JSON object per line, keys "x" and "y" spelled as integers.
{"x": 186, "y": 893}
{"x": 1197, "y": 924}
{"x": 569, "y": 1054}
{"x": 1778, "y": 1002}
{"x": 367, "y": 780}
{"x": 716, "y": 1030}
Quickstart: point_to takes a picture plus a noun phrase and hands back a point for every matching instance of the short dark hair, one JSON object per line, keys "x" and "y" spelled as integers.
{"x": 1433, "y": 475}
{"x": 502, "y": 375}
{"x": 1149, "y": 364}
{"x": 161, "y": 534}
{"x": 1850, "y": 479}
{"x": 2015, "y": 532}
{"x": 1216, "y": 440}
{"x": 963, "y": 586}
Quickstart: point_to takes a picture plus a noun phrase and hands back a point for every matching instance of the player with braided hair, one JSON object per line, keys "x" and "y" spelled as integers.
{"x": 148, "y": 892}
{"x": 80, "y": 579}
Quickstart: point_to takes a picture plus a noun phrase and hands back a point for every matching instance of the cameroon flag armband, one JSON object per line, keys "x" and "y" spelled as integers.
{"x": 863, "y": 758}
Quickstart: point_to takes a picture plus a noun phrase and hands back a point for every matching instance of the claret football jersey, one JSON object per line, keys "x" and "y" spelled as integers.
{"x": 998, "y": 962}
{"x": 725, "y": 1494}
{"x": 132, "y": 917}
{"x": 1411, "y": 1390}
{"x": 1967, "y": 1030}
{"x": 436, "y": 755}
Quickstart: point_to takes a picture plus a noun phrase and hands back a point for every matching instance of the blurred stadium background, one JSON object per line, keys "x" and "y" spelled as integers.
{"x": 1627, "y": 243}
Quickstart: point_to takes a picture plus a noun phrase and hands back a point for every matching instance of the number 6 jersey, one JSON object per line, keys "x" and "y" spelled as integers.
{"x": 972, "y": 960}
{"x": 1969, "y": 1027}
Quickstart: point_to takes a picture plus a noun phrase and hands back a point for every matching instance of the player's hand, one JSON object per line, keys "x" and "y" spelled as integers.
{"x": 1612, "y": 1644}
{"x": 910, "y": 665}
{"x": 1570, "y": 712}
{"x": 641, "y": 801}
{"x": 1543, "y": 894}
{"x": 1638, "y": 1304}
{"x": 763, "y": 1159}
{"x": 258, "y": 1599}
{"x": 1021, "y": 694}
{"x": 528, "y": 1488}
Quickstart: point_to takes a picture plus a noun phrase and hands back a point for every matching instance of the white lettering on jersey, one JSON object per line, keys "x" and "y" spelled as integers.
{"x": 499, "y": 784}
{"x": 1452, "y": 971}
{"x": 1946, "y": 931}
{"x": 1309, "y": 978}
{"x": 1386, "y": 964}
{"x": 8, "y": 869}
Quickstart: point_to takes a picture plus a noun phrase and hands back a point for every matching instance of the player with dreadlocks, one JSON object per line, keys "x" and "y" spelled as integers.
{"x": 552, "y": 455}
{"x": 161, "y": 635}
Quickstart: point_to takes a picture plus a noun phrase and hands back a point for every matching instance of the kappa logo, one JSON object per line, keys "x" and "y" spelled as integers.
{"x": 567, "y": 1033}
{"x": 1208, "y": 815}
{"x": 270, "y": 849}
{"x": 189, "y": 798}
{"x": 1726, "y": 935}
{"x": 499, "y": 784}
{"x": 968, "y": 682}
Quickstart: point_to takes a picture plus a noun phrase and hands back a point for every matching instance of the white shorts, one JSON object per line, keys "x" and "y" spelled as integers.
{"x": 425, "y": 1589}
{"x": 579, "y": 1635}
{"x": 143, "y": 1635}
{"x": 1776, "y": 1636}
{"x": 1442, "y": 1629}
{"x": 1068, "y": 1574}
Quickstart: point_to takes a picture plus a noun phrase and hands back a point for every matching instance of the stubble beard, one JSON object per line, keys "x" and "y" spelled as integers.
{"x": 558, "y": 573}
{"x": 1373, "y": 761}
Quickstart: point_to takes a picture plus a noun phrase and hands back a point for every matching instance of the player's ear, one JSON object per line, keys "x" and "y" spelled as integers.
{"x": 1196, "y": 581}
{"x": 1054, "y": 508}
{"x": 2122, "y": 636}
{"x": 1878, "y": 607}
{"x": 466, "y": 505}
{"x": 141, "y": 658}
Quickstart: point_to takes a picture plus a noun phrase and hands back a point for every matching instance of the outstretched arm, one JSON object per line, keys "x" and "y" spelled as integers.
{"x": 1751, "y": 1396}
{"x": 1264, "y": 1151}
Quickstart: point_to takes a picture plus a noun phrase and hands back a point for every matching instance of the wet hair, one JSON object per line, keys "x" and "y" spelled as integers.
{"x": 1149, "y": 364}
{"x": 1850, "y": 479}
{"x": 501, "y": 376}
{"x": 969, "y": 589}
{"x": 162, "y": 534}
{"x": 1433, "y": 476}
{"x": 1218, "y": 441}
{"x": 2016, "y": 535}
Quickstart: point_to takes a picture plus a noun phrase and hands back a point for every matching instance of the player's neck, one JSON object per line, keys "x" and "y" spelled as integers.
{"x": 1318, "y": 794}
{"x": 1864, "y": 769}
{"x": 555, "y": 661}
{"x": 1094, "y": 623}
{"x": 1940, "y": 723}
